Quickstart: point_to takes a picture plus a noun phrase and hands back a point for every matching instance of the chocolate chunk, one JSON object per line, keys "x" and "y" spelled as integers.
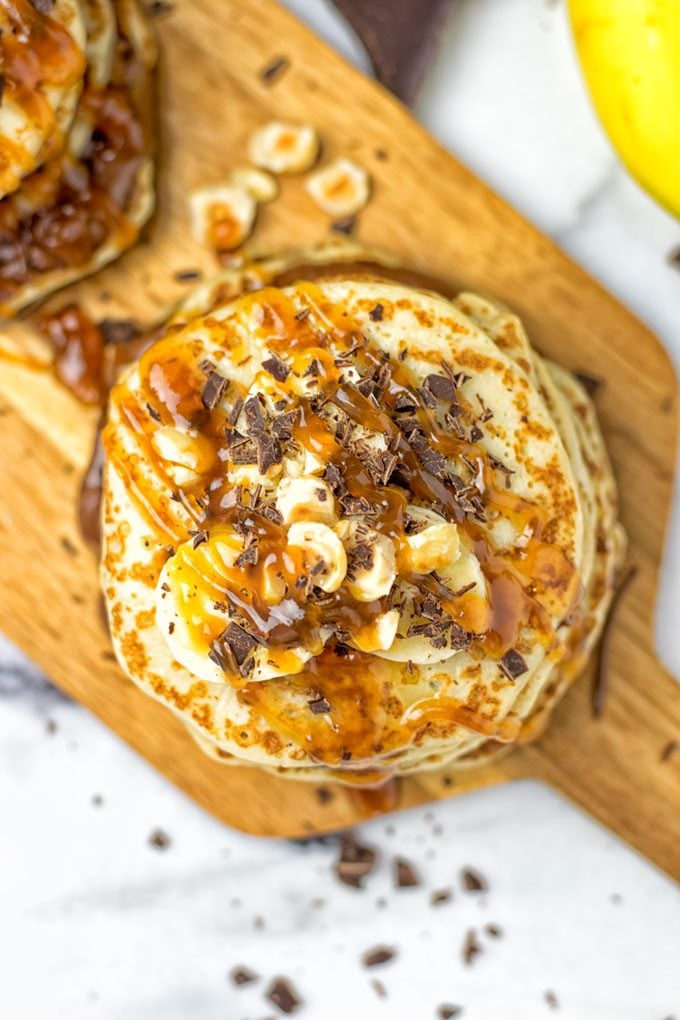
{"x": 232, "y": 417}
{"x": 243, "y": 975}
{"x": 355, "y": 505}
{"x": 319, "y": 705}
{"x": 591, "y": 384}
{"x": 282, "y": 427}
{"x": 159, "y": 840}
{"x": 248, "y": 557}
{"x": 400, "y": 39}
{"x": 473, "y": 881}
{"x": 513, "y": 664}
{"x": 430, "y": 459}
{"x": 376, "y": 314}
{"x": 427, "y": 397}
{"x": 440, "y": 896}
{"x": 253, "y": 412}
{"x": 240, "y": 641}
{"x": 405, "y": 875}
{"x": 441, "y": 387}
{"x": 471, "y": 946}
{"x": 200, "y": 536}
{"x": 343, "y": 429}
{"x": 283, "y": 995}
{"x": 378, "y": 955}
{"x": 268, "y": 452}
{"x": 272, "y": 71}
{"x": 380, "y": 466}
{"x": 244, "y": 453}
{"x": 355, "y": 863}
{"x": 446, "y": 1011}
{"x": 335, "y": 480}
{"x": 404, "y": 402}
{"x": 119, "y": 331}
{"x": 213, "y": 391}
{"x": 276, "y": 367}
{"x": 345, "y": 225}
{"x": 476, "y": 434}
{"x": 272, "y": 514}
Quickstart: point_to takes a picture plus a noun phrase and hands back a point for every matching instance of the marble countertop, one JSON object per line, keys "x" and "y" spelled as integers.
{"x": 121, "y": 900}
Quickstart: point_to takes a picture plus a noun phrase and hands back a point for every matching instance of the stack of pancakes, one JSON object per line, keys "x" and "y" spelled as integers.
{"x": 76, "y": 170}
{"x": 353, "y": 525}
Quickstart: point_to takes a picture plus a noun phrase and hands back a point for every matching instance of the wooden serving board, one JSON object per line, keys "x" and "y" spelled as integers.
{"x": 435, "y": 214}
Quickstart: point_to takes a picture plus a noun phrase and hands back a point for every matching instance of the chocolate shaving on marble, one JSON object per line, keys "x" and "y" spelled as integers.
{"x": 243, "y": 975}
{"x": 473, "y": 881}
{"x": 445, "y": 1011}
{"x": 440, "y": 896}
{"x": 471, "y": 947}
{"x": 600, "y": 686}
{"x": 284, "y": 996}
{"x": 405, "y": 874}
{"x": 378, "y": 955}
{"x": 355, "y": 863}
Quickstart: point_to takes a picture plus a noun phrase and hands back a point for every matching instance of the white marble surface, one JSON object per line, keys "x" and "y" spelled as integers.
{"x": 95, "y": 922}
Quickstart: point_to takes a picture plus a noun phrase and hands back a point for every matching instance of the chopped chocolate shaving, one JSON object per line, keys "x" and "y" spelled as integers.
{"x": 405, "y": 874}
{"x": 591, "y": 383}
{"x": 268, "y": 452}
{"x": 361, "y": 557}
{"x": 232, "y": 417}
{"x": 244, "y": 453}
{"x": 353, "y": 505}
{"x": 319, "y": 705}
{"x": 272, "y": 514}
{"x": 551, "y": 1000}
{"x": 283, "y": 995}
{"x": 378, "y": 955}
{"x": 240, "y": 641}
{"x": 404, "y": 402}
{"x": 493, "y": 931}
{"x": 119, "y": 331}
{"x": 445, "y": 1011}
{"x": 187, "y": 275}
{"x": 379, "y": 988}
{"x": 427, "y": 397}
{"x": 156, "y": 415}
{"x": 600, "y": 686}
{"x": 471, "y": 946}
{"x": 302, "y": 314}
{"x": 272, "y": 71}
{"x": 431, "y": 460}
{"x": 276, "y": 367}
{"x": 345, "y": 225}
{"x": 487, "y": 413}
{"x": 200, "y": 536}
{"x": 356, "y": 861}
{"x": 68, "y": 545}
{"x": 464, "y": 590}
{"x": 335, "y": 480}
{"x": 243, "y": 975}
{"x": 476, "y": 434}
{"x": 376, "y": 314}
{"x": 440, "y": 896}
{"x": 442, "y": 387}
{"x": 669, "y": 750}
{"x": 213, "y": 391}
{"x": 343, "y": 429}
{"x": 282, "y": 427}
{"x": 159, "y": 839}
{"x": 324, "y": 795}
{"x": 513, "y": 664}
{"x": 253, "y": 412}
{"x": 248, "y": 557}
{"x": 473, "y": 881}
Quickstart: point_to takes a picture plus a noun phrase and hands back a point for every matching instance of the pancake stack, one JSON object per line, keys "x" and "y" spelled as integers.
{"x": 76, "y": 140}
{"x": 353, "y": 524}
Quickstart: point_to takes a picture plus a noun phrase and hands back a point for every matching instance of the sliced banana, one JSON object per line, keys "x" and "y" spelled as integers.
{"x": 284, "y": 148}
{"x": 102, "y": 33}
{"x": 324, "y": 554}
{"x": 436, "y": 547}
{"x": 374, "y": 571}
{"x": 305, "y": 499}
{"x": 222, "y": 216}
{"x": 185, "y": 453}
{"x": 379, "y": 635}
{"x": 183, "y": 602}
{"x": 258, "y": 183}
{"x": 340, "y": 189}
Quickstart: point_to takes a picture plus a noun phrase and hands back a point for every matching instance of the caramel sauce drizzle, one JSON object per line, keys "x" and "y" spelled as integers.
{"x": 361, "y": 727}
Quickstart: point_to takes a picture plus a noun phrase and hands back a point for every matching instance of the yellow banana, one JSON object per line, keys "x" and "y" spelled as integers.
{"x": 630, "y": 53}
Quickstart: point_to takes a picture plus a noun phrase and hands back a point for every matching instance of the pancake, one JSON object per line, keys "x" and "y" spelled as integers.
{"x": 353, "y": 526}
{"x": 76, "y": 141}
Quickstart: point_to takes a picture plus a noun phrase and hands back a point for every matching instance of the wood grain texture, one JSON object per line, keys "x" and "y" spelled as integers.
{"x": 442, "y": 220}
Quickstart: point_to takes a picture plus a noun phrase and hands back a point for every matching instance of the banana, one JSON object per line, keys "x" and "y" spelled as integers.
{"x": 630, "y": 54}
